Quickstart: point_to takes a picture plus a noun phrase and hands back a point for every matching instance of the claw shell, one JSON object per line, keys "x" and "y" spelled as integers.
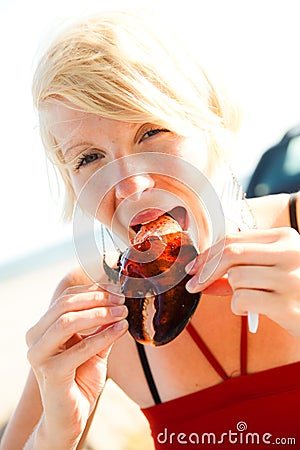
{"x": 154, "y": 266}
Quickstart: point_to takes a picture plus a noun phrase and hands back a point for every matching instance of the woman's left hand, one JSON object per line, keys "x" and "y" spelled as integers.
{"x": 260, "y": 269}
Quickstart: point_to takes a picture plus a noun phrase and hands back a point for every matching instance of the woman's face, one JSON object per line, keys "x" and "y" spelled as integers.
{"x": 103, "y": 159}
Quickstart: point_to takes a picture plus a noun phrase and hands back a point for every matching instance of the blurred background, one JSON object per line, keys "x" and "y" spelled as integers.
{"x": 252, "y": 45}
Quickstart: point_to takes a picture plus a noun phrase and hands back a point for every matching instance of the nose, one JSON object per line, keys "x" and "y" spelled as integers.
{"x": 134, "y": 186}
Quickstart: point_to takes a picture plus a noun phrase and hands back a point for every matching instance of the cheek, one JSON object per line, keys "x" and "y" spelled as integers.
{"x": 195, "y": 151}
{"x": 92, "y": 198}
{"x": 106, "y": 210}
{"x": 77, "y": 184}
{"x": 200, "y": 224}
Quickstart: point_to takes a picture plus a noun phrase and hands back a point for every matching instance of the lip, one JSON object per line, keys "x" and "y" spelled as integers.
{"x": 146, "y": 216}
{"x": 179, "y": 213}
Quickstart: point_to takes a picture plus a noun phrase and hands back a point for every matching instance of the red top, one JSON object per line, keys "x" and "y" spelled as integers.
{"x": 250, "y": 411}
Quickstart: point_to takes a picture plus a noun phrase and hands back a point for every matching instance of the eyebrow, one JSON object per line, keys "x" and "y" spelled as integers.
{"x": 70, "y": 150}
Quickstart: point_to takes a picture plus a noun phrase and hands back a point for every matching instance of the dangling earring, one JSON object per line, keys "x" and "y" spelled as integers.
{"x": 112, "y": 273}
{"x": 232, "y": 197}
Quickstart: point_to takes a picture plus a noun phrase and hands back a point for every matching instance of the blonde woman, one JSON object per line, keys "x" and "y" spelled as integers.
{"x": 110, "y": 89}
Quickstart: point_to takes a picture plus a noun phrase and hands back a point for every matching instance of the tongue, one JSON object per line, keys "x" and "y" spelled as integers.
{"x": 162, "y": 225}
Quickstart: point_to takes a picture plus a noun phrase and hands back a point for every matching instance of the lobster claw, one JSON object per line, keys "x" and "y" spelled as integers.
{"x": 152, "y": 273}
{"x": 175, "y": 308}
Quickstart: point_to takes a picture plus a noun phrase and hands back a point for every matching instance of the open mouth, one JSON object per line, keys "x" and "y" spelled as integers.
{"x": 179, "y": 214}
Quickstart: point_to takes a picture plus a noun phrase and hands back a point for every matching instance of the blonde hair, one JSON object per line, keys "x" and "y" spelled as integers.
{"x": 121, "y": 66}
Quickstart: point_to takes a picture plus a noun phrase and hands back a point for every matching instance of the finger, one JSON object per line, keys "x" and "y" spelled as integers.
{"x": 256, "y": 301}
{"x": 251, "y": 236}
{"x": 255, "y": 277}
{"x": 193, "y": 266}
{"x": 267, "y": 236}
{"x": 64, "y": 364}
{"x": 80, "y": 288}
{"x": 105, "y": 286}
{"x": 207, "y": 274}
{"x": 233, "y": 255}
{"x": 247, "y": 277}
{"x": 72, "y": 302}
{"x": 53, "y": 341}
{"x": 234, "y": 249}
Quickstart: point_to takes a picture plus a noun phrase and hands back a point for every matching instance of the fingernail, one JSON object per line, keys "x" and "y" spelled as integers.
{"x": 189, "y": 266}
{"x": 121, "y": 325}
{"x": 191, "y": 285}
{"x": 117, "y": 299}
{"x": 119, "y": 311}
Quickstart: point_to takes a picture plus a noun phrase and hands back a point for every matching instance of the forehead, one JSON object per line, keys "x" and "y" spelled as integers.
{"x": 63, "y": 119}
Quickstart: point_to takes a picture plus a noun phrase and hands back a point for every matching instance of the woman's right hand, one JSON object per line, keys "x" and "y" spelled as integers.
{"x": 70, "y": 363}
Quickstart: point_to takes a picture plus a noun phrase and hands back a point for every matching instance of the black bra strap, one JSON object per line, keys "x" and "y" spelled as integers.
{"x": 293, "y": 213}
{"x": 148, "y": 373}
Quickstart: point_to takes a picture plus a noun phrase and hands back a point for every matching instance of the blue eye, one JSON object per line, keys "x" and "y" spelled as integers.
{"x": 86, "y": 159}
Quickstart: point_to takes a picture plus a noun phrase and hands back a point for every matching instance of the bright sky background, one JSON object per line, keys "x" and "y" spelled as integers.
{"x": 254, "y": 42}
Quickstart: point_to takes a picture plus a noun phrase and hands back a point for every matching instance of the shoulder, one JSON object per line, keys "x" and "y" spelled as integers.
{"x": 271, "y": 211}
